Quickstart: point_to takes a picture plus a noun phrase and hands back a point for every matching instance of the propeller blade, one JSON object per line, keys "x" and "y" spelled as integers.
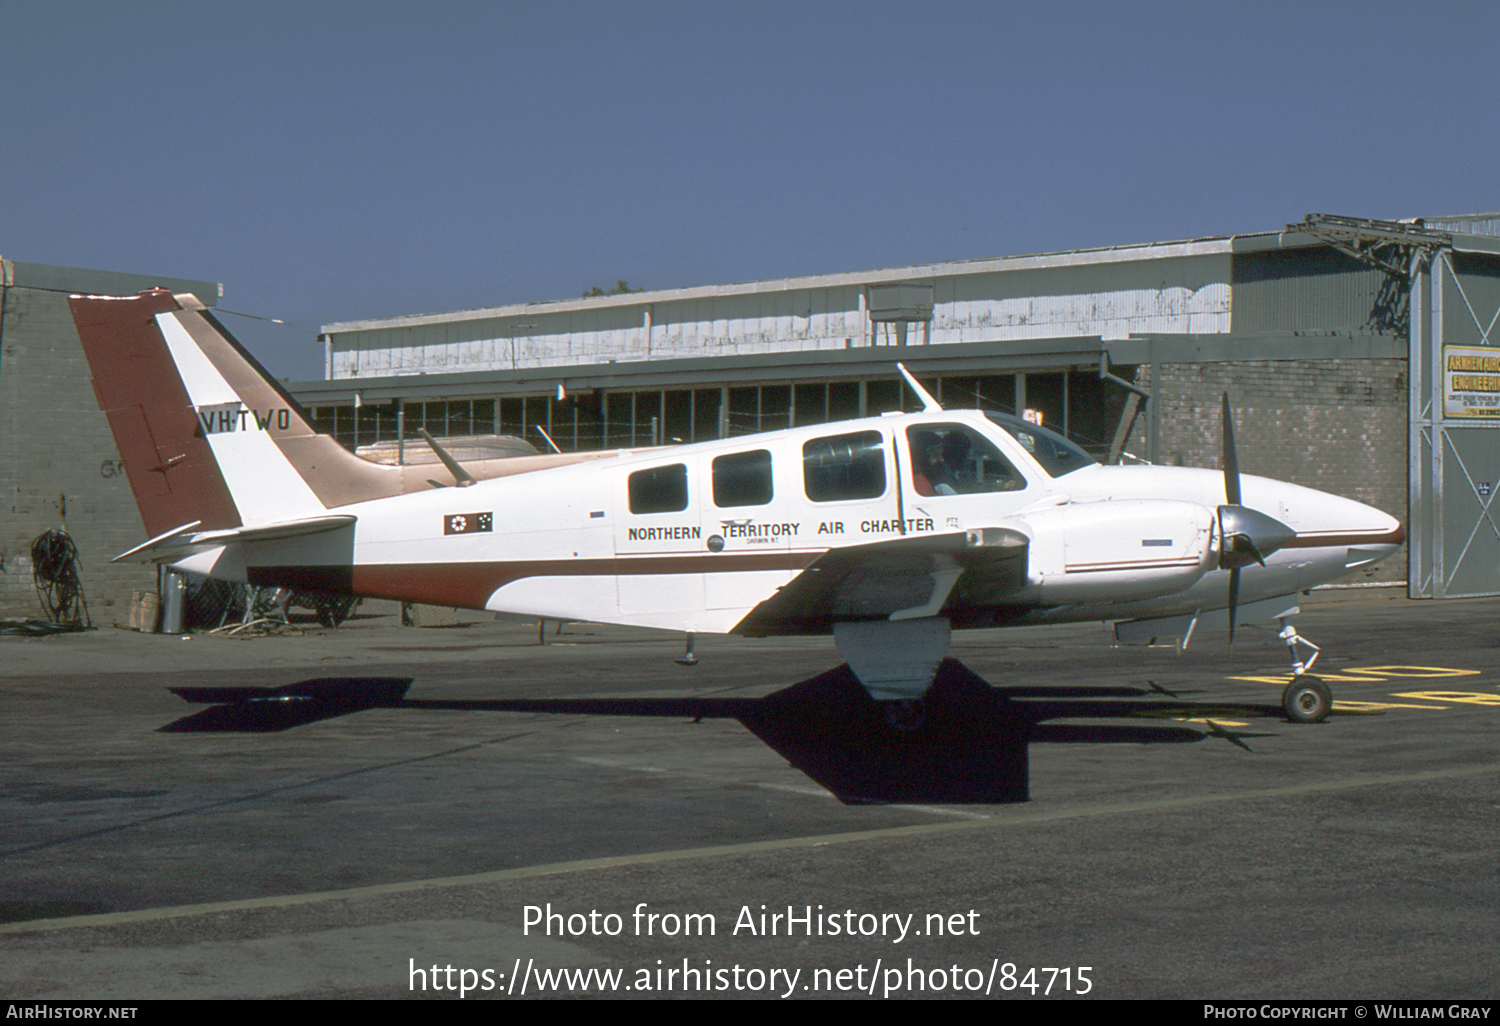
{"x": 1245, "y": 535}
{"x": 1234, "y": 600}
{"x": 1250, "y": 544}
{"x": 1231, "y": 464}
{"x": 1230, "y": 459}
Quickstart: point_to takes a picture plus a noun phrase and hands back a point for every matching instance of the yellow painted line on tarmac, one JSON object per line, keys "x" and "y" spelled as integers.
{"x": 1464, "y": 697}
{"x": 1342, "y": 705}
{"x": 1370, "y": 674}
{"x": 1007, "y": 818}
{"x": 1411, "y": 671}
{"x": 1437, "y": 701}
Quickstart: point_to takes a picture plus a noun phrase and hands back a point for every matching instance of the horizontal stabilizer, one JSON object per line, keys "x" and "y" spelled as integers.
{"x": 184, "y": 541}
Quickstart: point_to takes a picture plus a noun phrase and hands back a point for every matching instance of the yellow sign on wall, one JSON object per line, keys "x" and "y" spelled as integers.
{"x": 1471, "y": 381}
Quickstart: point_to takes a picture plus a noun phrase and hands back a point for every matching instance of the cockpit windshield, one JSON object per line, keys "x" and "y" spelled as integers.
{"x": 1056, "y": 454}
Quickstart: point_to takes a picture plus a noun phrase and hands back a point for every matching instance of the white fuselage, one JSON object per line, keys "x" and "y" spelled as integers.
{"x": 693, "y": 537}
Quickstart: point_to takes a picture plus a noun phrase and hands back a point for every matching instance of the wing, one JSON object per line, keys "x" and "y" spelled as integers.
{"x": 970, "y": 576}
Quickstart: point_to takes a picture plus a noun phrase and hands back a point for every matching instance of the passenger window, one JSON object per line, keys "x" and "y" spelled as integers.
{"x": 844, "y": 467}
{"x": 743, "y": 479}
{"x": 950, "y": 459}
{"x": 659, "y": 490}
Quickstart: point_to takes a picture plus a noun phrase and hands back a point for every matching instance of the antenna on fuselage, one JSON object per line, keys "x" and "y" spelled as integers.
{"x": 461, "y": 477}
{"x": 543, "y": 432}
{"x": 929, "y": 404}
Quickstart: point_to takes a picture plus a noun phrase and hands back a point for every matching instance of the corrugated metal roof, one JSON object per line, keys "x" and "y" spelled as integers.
{"x": 1069, "y": 258}
{"x": 1487, "y": 223}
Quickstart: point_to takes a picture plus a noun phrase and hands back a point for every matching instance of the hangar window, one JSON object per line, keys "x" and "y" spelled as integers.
{"x": 743, "y": 479}
{"x": 841, "y": 467}
{"x": 659, "y": 490}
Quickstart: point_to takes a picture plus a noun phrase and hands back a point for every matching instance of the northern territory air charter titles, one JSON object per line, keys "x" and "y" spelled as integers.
{"x": 755, "y": 533}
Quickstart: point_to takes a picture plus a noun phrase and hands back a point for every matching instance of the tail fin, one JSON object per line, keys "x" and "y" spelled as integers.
{"x": 210, "y": 440}
{"x": 203, "y": 431}
{"x": 169, "y": 462}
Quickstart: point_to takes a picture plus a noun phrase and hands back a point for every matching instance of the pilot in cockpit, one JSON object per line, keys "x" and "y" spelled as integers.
{"x": 930, "y": 472}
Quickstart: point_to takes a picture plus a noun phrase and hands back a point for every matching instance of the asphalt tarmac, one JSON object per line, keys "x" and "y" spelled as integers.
{"x": 464, "y": 855}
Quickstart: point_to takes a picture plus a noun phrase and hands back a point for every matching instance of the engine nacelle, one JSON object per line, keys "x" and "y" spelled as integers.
{"x": 1089, "y": 552}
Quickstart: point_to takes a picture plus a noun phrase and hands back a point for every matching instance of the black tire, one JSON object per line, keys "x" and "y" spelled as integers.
{"x": 334, "y": 610}
{"x": 1307, "y": 700}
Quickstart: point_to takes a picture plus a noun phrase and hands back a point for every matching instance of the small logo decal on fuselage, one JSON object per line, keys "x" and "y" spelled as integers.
{"x": 468, "y": 523}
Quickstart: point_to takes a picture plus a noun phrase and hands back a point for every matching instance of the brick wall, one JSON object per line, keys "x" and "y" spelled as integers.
{"x": 58, "y": 462}
{"x": 1339, "y": 426}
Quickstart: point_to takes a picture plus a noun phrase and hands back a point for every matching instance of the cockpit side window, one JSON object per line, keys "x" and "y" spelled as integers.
{"x": 951, "y": 459}
{"x": 743, "y": 479}
{"x": 842, "y": 467}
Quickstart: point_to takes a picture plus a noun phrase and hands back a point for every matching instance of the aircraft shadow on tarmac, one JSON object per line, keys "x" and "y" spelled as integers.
{"x": 967, "y": 744}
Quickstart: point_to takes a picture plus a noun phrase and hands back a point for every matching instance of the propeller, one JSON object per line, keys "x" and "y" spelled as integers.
{"x": 1245, "y": 535}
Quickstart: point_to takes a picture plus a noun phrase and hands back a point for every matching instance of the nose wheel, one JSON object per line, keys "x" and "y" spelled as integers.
{"x": 1306, "y": 700}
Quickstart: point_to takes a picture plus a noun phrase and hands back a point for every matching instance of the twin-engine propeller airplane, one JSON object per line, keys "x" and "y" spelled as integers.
{"x": 886, "y": 532}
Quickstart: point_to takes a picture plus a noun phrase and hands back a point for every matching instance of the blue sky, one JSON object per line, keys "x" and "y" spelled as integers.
{"x": 332, "y": 161}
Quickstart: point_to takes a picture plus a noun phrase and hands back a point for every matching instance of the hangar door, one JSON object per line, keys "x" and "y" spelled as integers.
{"x": 1454, "y": 542}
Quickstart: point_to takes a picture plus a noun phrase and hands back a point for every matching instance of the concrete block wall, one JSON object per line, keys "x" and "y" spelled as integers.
{"x": 58, "y": 463}
{"x": 1339, "y": 426}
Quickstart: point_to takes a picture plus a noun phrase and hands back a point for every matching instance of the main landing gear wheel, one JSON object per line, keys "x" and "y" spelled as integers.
{"x": 1307, "y": 700}
{"x": 333, "y": 610}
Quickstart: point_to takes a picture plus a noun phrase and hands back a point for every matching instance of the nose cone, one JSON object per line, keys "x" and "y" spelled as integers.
{"x": 1323, "y": 521}
{"x": 1334, "y": 520}
{"x": 1374, "y": 537}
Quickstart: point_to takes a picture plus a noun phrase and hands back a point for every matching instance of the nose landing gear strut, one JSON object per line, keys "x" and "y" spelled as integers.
{"x": 1306, "y": 699}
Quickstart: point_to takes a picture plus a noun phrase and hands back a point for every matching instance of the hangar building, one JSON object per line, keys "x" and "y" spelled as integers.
{"x": 1343, "y": 344}
{"x": 1312, "y": 330}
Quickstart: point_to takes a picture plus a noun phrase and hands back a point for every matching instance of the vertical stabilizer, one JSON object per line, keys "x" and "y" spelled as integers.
{"x": 169, "y": 462}
{"x": 195, "y": 421}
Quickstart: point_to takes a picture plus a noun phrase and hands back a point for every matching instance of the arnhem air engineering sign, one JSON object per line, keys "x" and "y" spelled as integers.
{"x": 1471, "y": 379}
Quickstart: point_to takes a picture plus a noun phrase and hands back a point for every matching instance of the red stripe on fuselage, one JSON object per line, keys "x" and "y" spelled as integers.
{"x": 1321, "y": 541}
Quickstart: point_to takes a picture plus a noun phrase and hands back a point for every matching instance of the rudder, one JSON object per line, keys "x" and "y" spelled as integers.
{"x": 170, "y": 465}
{"x": 193, "y": 418}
